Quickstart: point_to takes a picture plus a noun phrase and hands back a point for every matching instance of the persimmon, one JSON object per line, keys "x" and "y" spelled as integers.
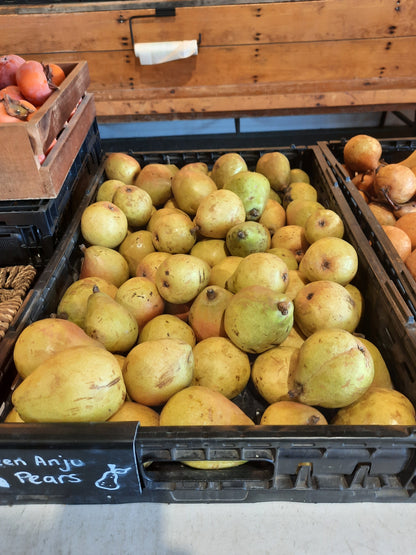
{"x": 408, "y": 224}
{"x": 33, "y": 82}
{"x": 56, "y": 74}
{"x": 13, "y": 110}
{"x": 399, "y": 239}
{"x": 410, "y": 263}
{"x": 8, "y": 67}
{"x": 13, "y": 91}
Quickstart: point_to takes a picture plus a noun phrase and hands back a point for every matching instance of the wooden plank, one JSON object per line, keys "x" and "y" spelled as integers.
{"x": 218, "y": 25}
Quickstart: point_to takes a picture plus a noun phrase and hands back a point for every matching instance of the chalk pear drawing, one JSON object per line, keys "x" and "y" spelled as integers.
{"x": 109, "y": 480}
{"x": 4, "y": 483}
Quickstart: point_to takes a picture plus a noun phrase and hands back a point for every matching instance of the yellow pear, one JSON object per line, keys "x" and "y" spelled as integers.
{"x": 43, "y": 339}
{"x": 292, "y": 413}
{"x": 378, "y": 406}
{"x": 210, "y": 250}
{"x": 218, "y": 212}
{"x": 107, "y": 189}
{"x": 271, "y": 370}
{"x": 174, "y": 233}
{"x": 189, "y": 187}
{"x": 200, "y": 406}
{"x": 135, "y": 247}
{"x": 148, "y": 265}
{"x": 225, "y": 166}
{"x": 382, "y": 376}
{"x": 296, "y": 283}
{"x": 299, "y": 190}
{"x": 167, "y": 326}
{"x": 287, "y": 255}
{"x": 299, "y": 210}
{"x": 140, "y": 296}
{"x": 261, "y": 268}
{"x": 221, "y": 271}
{"x": 80, "y": 384}
{"x": 206, "y": 315}
{"x": 273, "y": 216}
{"x": 181, "y": 277}
{"x": 121, "y": 166}
{"x": 132, "y": 411}
{"x": 103, "y": 262}
{"x": 276, "y": 167}
{"x": 156, "y": 180}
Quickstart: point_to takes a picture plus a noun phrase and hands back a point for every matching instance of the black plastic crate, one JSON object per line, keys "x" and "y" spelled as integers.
{"x": 31, "y": 229}
{"x": 109, "y": 462}
{"x": 394, "y": 151}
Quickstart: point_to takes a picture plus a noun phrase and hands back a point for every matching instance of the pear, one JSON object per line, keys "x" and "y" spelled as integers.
{"x": 253, "y": 188}
{"x": 79, "y": 384}
{"x": 333, "y": 370}
{"x": 291, "y": 413}
{"x": 382, "y": 376}
{"x": 218, "y": 212}
{"x": 276, "y": 167}
{"x": 286, "y": 255}
{"x": 135, "y": 247}
{"x": 132, "y": 411}
{"x": 141, "y": 297}
{"x": 257, "y": 318}
{"x": 181, "y": 277}
{"x": 210, "y": 250}
{"x": 121, "y": 166}
{"x": 260, "y": 268}
{"x": 297, "y": 174}
{"x": 226, "y": 166}
{"x": 165, "y": 326}
{"x": 206, "y": 315}
{"x": 148, "y": 265}
{"x": 110, "y": 323}
{"x": 136, "y": 204}
{"x": 220, "y": 365}
{"x": 73, "y": 303}
{"x": 152, "y": 223}
{"x": 294, "y": 339}
{"x": 42, "y": 339}
{"x": 221, "y": 271}
{"x": 189, "y": 187}
{"x": 104, "y": 223}
{"x": 291, "y": 237}
{"x": 325, "y": 304}
{"x": 271, "y": 370}
{"x": 13, "y": 416}
{"x": 107, "y": 189}
{"x": 156, "y": 180}
{"x": 103, "y": 262}
{"x": 299, "y": 190}
{"x": 201, "y": 406}
{"x": 299, "y": 210}
{"x": 157, "y": 369}
{"x": 296, "y": 283}
{"x": 174, "y": 233}
{"x": 323, "y": 223}
{"x": 273, "y": 216}
{"x": 247, "y": 238}
{"x": 362, "y": 153}
{"x": 378, "y": 407}
{"x": 330, "y": 258}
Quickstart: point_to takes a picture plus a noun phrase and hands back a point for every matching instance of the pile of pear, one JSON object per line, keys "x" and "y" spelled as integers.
{"x": 196, "y": 283}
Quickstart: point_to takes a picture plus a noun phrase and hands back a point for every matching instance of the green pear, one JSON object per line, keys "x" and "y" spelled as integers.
{"x": 78, "y": 384}
{"x": 110, "y": 323}
{"x": 226, "y": 166}
{"x": 246, "y": 238}
{"x": 257, "y": 318}
{"x": 260, "y": 268}
{"x": 334, "y": 369}
{"x": 253, "y": 188}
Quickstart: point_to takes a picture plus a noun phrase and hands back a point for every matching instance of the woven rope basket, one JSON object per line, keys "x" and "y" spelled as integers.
{"x": 14, "y": 284}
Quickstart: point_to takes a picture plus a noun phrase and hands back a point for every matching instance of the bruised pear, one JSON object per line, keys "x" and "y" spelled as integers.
{"x": 258, "y": 318}
{"x": 260, "y": 268}
{"x": 292, "y": 413}
{"x": 206, "y": 315}
{"x": 140, "y": 296}
{"x": 79, "y": 384}
{"x": 155, "y": 370}
{"x": 44, "y": 338}
{"x": 333, "y": 369}
{"x": 110, "y": 323}
{"x": 201, "y": 406}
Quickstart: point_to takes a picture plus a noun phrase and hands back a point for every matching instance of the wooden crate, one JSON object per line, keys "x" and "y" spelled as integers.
{"x": 22, "y": 176}
{"x": 255, "y": 58}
